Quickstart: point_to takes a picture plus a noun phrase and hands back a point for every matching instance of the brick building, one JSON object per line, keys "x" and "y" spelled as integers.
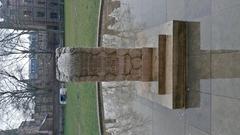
{"x": 41, "y": 75}
{"x": 31, "y": 14}
{"x": 41, "y": 65}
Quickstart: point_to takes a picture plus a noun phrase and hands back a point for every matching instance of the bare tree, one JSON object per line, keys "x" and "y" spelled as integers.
{"x": 17, "y": 91}
{"x": 14, "y": 47}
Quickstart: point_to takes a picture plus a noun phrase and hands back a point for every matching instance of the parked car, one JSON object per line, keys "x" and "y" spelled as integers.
{"x": 63, "y": 96}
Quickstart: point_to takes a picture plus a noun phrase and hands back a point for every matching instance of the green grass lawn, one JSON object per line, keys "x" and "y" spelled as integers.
{"x": 81, "y": 110}
{"x": 81, "y": 20}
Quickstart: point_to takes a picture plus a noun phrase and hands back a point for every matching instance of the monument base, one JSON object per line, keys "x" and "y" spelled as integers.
{"x": 170, "y": 63}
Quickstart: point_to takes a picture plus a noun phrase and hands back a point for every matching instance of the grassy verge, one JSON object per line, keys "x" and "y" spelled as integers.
{"x": 81, "y": 110}
{"x": 81, "y": 20}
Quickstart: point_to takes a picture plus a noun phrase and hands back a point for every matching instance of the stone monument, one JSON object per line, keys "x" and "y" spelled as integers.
{"x": 165, "y": 64}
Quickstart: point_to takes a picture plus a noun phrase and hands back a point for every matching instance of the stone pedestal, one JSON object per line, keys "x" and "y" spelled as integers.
{"x": 172, "y": 48}
{"x": 173, "y": 41}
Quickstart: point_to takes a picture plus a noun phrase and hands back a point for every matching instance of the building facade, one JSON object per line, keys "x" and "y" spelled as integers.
{"x": 31, "y": 14}
{"x": 41, "y": 75}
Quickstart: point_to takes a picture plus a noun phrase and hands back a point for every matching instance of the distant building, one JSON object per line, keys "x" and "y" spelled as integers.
{"x": 41, "y": 75}
{"x": 41, "y": 65}
{"x": 31, "y": 14}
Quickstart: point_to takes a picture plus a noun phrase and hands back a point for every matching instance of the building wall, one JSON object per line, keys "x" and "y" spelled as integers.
{"x": 42, "y": 62}
{"x": 24, "y": 13}
{"x": 42, "y": 75}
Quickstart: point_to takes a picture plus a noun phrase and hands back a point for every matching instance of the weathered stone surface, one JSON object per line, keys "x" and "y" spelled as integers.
{"x": 103, "y": 64}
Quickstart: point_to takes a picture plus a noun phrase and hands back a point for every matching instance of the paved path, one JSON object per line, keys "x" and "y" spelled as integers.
{"x": 214, "y": 96}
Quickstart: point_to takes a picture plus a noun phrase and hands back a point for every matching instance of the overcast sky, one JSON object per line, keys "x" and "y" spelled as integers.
{"x": 17, "y": 117}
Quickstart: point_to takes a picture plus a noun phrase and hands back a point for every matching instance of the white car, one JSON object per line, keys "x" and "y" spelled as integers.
{"x": 63, "y": 96}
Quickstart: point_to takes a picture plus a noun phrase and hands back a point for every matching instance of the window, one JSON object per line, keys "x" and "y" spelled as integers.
{"x": 28, "y": 1}
{"x": 52, "y": 4}
{"x": 8, "y": 3}
{"x": 27, "y": 13}
{"x": 53, "y": 15}
{"x": 12, "y": 11}
{"x": 53, "y": 27}
{"x": 40, "y": 2}
{"x": 40, "y": 14}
